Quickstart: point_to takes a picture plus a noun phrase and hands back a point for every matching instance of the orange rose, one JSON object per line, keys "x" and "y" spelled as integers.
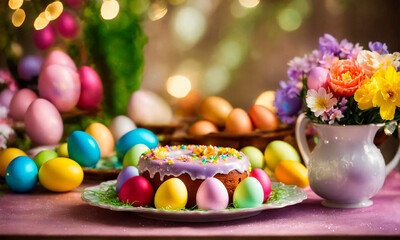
{"x": 344, "y": 77}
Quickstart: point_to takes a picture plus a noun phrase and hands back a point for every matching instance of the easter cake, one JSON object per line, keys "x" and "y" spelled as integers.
{"x": 193, "y": 164}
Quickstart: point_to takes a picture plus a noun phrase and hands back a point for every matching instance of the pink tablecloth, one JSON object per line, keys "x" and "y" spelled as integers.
{"x": 42, "y": 213}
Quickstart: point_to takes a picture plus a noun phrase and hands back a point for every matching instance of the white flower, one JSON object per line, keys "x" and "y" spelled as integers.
{"x": 372, "y": 61}
{"x": 5, "y": 130}
{"x": 320, "y": 102}
{"x": 369, "y": 61}
{"x": 3, "y": 112}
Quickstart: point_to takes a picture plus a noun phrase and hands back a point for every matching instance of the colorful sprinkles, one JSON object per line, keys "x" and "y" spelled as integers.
{"x": 204, "y": 154}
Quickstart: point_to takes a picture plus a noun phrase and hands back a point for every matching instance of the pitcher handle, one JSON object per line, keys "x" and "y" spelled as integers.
{"x": 393, "y": 163}
{"x": 300, "y": 132}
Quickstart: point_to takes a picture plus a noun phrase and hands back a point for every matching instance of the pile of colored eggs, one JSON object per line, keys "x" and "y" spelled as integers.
{"x": 217, "y": 112}
{"x": 58, "y": 174}
{"x": 61, "y": 86}
{"x": 173, "y": 194}
{"x": 281, "y": 161}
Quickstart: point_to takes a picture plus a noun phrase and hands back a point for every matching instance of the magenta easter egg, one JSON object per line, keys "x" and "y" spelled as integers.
{"x": 317, "y": 78}
{"x": 67, "y": 25}
{"x": 59, "y": 58}
{"x": 212, "y": 195}
{"x": 44, "y": 38}
{"x": 61, "y": 86}
{"x": 137, "y": 190}
{"x": 6, "y": 97}
{"x": 20, "y": 102}
{"x": 43, "y": 123}
{"x": 263, "y": 178}
{"x": 91, "y": 88}
{"x": 29, "y": 67}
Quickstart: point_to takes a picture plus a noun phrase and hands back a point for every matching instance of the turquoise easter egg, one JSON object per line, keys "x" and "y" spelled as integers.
{"x": 83, "y": 149}
{"x": 248, "y": 194}
{"x": 22, "y": 174}
{"x": 134, "y": 137}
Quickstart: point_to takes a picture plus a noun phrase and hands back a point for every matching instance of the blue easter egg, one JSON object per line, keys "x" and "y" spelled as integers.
{"x": 136, "y": 136}
{"x": 83, "y": 149}
{"x": 22, "y": 174}
{"x": 125, "y": 174}
{"x": 290, "y": 106}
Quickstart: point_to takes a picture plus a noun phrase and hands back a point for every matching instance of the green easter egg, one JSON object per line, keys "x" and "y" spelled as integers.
{"x": 63, "y": 150}
{"x": 248, "y": 194}
{"x": 43, "y": 157}
{"x": 131, "y": 158}
{"x": 256, "y": 157}
{"x": 277, "y": 151}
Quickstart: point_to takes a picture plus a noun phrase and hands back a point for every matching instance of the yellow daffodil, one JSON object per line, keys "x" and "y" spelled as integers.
{"x": 365, "y": 94}
{"x": 388, "y": 95}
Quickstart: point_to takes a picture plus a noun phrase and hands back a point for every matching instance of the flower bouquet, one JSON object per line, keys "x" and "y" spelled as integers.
{"x": 342, "y": 84}
{"x": 348, "y": 94}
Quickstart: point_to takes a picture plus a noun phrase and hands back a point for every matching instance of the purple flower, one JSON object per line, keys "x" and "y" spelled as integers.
{"x": 343, "y": 106}
{"x": 329, "y": 44}
{"x": 334, "y": 114}
{"x": 327, "y": 59}
{"x": 287, "y": 102}
{"x": 345, "y": 48}
{"x": 379, "y": 47}
{"x": 355, "y": 51}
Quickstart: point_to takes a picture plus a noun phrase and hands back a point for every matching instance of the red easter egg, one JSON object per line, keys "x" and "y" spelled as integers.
{"x": 137, "y": 190}
{"x": 263, "y": 178}
{"x": 91, "y": 88}
{"x": 67, "y": 25}
{"x": 45, "y": 37}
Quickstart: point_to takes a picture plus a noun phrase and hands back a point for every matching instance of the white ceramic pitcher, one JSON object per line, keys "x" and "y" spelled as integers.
{"x": 345, "y": 167}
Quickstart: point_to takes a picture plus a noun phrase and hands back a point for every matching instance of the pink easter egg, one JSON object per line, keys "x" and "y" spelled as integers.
{"x": 61, "y": 86}
{"x": 91, "y": 88}
{"x": 6, "y": 97}
{"x": 263, "y": 178}
{"x": 318, "y": 78}
{"x": 43, "y": 123}
{"x": 212, "y": 195}
{"x": 137, "y": 190}
{"x": 44, "y": 38}
{"x": 59, "y": 58}
{"x": 67, "y": 25}
{"x": 20, "y": 102}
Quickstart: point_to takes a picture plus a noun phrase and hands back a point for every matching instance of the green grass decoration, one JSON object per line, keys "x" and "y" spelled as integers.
{"x": 109, "y": 196}
{"x": 116, "y": 49}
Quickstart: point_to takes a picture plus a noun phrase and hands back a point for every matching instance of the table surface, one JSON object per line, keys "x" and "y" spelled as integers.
{"x": 43, "y": 213}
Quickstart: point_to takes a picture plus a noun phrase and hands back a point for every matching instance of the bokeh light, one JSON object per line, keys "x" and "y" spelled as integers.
{"x": 238, "y": 11}
{"x": 18, "y": 17}
{"x": 231, "y": 53}
{"x": 157, "y": 10}
{"x": 109, "y": 9}
{"x": 249, "y": 3}
{"x": 178, "y": 86}
{"x": 216, "y": 79}
{"x": 15, "y": 4}
{"x": 266, "y": 99}
{"x": 189, "y": 26}
{"x": 54, "y": 10}
{"x": 289, "y": 19}
{"x": 41, "y": 21}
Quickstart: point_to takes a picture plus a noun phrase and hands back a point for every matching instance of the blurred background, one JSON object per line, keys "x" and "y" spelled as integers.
{"x": 237, "y": 49}
{"x": 232, "y": 48}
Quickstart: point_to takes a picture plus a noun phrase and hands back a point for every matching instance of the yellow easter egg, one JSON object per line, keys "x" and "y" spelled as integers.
{"x": 103, "y": 137}
{"x": 62, "y": 150}
{"x": 6, "y": 156}
{"x": 277, "y": 151}
{"x": 292, "y": 173}
{"x": 171, "y": 195}
{"x": 60, "y": 174}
